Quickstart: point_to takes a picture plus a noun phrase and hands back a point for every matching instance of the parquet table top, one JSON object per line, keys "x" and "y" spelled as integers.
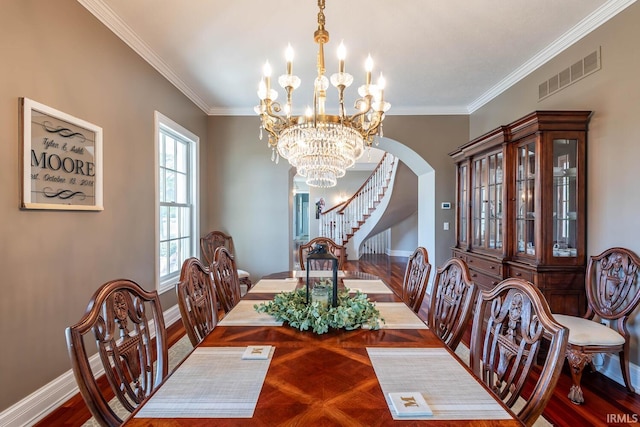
{"x": 319, "y": 380}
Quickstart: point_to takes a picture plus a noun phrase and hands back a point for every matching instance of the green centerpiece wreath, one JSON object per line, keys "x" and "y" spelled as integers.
{"x": 352, "y": 312}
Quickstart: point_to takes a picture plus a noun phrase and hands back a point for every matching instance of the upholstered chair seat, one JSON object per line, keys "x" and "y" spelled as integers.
{"x": 242, "y": 274}
{"x": 587, "y": 332}
{"x": 613, "y": 292}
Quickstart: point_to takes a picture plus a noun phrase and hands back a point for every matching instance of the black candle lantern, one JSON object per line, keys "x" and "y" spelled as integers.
{"x": 322, "y": 265}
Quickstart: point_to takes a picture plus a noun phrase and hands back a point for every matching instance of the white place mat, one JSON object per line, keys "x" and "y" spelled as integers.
{"x": 397, "y": 315}
{"x": 243, "y": 314}
{"x": 274, "y": 286}
{"x": 367, "y": 286}
{"x": 214, "y": 382}
{"x": 449, "y": 389}
{"x": 316, "y": 273}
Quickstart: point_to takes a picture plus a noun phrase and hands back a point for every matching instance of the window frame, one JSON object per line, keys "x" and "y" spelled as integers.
{"x": 165, "y": 124}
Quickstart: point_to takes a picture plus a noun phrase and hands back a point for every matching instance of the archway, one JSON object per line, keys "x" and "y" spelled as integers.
{"x": 426, "y": 190}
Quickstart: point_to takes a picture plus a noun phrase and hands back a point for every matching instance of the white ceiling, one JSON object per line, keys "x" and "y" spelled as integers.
{"x": 437, "y": 56}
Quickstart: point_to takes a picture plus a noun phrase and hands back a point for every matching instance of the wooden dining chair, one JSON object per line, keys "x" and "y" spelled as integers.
{"x": 613, "y": 292}
{"x": 212, "y": 241}
{"x": 416, "y": 277}
{"x": 120, "y": 316}
{"x": 225, "y": 278}
{"x": 452, "y": 301}
{"x": 510, "y": 323}
{"x": 337, "y": 250}
{"x": 197, "y": 300}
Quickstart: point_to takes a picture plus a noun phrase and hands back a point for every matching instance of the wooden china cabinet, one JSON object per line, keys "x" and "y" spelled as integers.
{"x": 521, "y": 206}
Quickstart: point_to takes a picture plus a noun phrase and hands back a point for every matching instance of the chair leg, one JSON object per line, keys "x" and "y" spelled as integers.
{"x": 577, "y": 361}
{"x": 247, "y": 282}
{"x": 624, "y": 368}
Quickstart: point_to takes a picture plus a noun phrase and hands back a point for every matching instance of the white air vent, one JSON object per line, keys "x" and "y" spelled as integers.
{"x": 587, "y": 65}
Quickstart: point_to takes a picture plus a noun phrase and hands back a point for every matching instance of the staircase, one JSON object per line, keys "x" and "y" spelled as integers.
{"x": 352, "y": 221}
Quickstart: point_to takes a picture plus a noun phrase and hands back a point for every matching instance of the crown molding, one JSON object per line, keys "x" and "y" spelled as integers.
{"x": 112, "y": 21}
{"x": 591, "y": 22}
{"x": 601, "y": 15}
{"x": 406, "y": 111}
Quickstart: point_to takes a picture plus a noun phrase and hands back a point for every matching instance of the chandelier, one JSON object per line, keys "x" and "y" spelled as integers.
{"x": 321, "y": 146}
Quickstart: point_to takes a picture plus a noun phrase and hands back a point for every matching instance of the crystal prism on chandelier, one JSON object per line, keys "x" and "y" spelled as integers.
{"x": 321, "y": 146}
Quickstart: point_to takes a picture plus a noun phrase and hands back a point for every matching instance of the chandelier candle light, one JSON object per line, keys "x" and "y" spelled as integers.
{"x": 321, "y": 146}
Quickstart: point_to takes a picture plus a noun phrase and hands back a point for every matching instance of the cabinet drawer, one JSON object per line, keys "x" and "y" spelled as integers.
{"x": 522, "y": 273}
{"x": 484, "y": 265}
{"x": 484, "y": 281}
{"x": 460, "y": 255}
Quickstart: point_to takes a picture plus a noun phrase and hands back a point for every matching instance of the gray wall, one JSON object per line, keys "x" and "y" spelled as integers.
{"x": 613, "y": 149}
{"x": 250, "y": 195}
{"x": 433, "y": 138}
{"x": 53, "y": 261}
{"x": 57, "y": 53}
{"x": 403, "y": 235}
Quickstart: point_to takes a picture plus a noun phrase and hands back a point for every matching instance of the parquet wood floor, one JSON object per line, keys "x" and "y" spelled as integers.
{"x": 606, "y": 399}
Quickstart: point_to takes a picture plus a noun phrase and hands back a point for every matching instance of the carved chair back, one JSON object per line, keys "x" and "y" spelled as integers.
{"x": 197, "y": 300}
{"x": 613, "y": 286}
{"x": 225, "y": 277}
{"x": 416, "y": 277}
{"x": 510, "y": 323}
{"x": 452, "y": 301}
{"x": 212, "y": 241}
{"x": 613, "y": 293}
{"x": 337, "y": 250}
{"x": 119, "y": 316}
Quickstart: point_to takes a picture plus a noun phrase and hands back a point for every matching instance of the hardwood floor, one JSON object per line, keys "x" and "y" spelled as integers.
{"x": 607, "y": 402}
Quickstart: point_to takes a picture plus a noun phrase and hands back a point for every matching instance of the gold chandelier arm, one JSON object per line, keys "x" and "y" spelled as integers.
{"x": 363, "y": 106}
{"x": 273, "y": 122}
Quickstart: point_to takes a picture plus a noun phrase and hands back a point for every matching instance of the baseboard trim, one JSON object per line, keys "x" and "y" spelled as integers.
{"x": 611, "y": 368}
{"x": 405, "y": 254}
{"x": 47, "y": 399}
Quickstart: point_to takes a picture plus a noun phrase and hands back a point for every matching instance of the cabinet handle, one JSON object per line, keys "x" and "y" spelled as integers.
{"x": 518, "y": 274}
{"x": 470, "y": 261}
{"x": 474, "y": 275}
{"x": 494, "y": 283}
{"x": 493, "y": 267}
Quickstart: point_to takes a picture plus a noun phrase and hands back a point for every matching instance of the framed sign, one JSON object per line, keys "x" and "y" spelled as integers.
{"x": 61, "y": 160}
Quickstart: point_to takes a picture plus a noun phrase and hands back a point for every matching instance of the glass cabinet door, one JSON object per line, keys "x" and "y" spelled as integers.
{"x": 478, "y": 204}
{"x": 463, "y": 203}
{"x": 525, "y": 199}
{"x": 495, "y": 200}
{"x": 565, "y": 152}
{"x": 486, "y": 203}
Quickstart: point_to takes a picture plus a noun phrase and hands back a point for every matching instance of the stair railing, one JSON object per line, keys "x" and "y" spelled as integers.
{"x": 341, "y": 221}
{"x": 377, "y": 244}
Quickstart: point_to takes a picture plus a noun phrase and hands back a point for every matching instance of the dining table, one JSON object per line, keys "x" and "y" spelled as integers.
{"x": 253, "y": 370}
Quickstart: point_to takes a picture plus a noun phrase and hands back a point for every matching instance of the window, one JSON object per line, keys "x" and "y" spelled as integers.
{"x": 177, "y": 199}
